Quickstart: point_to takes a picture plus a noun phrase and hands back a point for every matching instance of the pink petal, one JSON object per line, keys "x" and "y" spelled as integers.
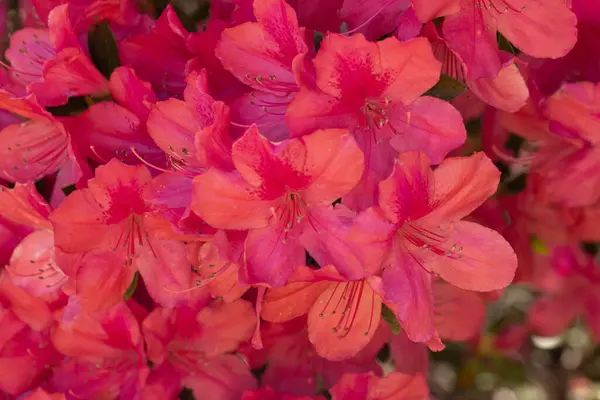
{"x": 374, "y": 18}
{"x": 102, "y": 280}
{"x": 29, "y": 49}
{"x": 428, "y": 10}
{"x": 291, "y": 301}
{"x": 71, "y": 73}
{"x": 32, "y": 149}
{"x": 475, "y": 258}
{"x": 166, "y": 272}
{"x": 25, "y": 206}
{"x": 271, "y": 256}
{"x": 225, "y": 377}
{"x": 405, "y": 194}
{"x": 266, "y": 165}
{"x": 131, "y": 92}
{"x": 410, "y": 358}
{"x": 261, "y": 53}
{"x": 32, "y": 265}
{"x": 225, "y": 201}
{"x": 406, "y": 290}
{"x": 340, "y": 329}
{"x": 429, "y": 125}
{"x": 528, "y": 28}
{"x": 472, "y": 34}
{"x": 334, "y": 162}
{"x": 461, "y": 185}
{"x": 451, "y": 320}
{"x": 507, "y": 91}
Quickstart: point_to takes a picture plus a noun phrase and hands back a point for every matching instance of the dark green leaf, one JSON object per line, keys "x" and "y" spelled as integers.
{"x": 131, "y": 289}
{"x": 447, "y": 88}
{"x": 75, "y": 106}
{"x": 186, "y": 394}
{"x": 389, "y": 317}
{"x": 67, "y": 190}
{"x": 103, "y": 48}
{"x": 317, "y": 39}
{"x": 505, "y": 45}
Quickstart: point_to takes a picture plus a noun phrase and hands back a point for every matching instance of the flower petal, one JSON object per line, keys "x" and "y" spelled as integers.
{"x": 344, "y": 319}
{"x": 476, "y": 258}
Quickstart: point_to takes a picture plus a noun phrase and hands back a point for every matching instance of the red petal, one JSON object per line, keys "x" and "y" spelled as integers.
{"x": 225, "y": 201}
{"x": 528, "y": 28}
{"x": 406, "y": 290}
{"x": 32, "y": 150}
{"x": 225, "y": 377}
{"x": 476, "y": 258}
{"x": 472, "y": 34}
{"x": 429, "y": 125}
{"x": 272, "y": 255}
{"x": 508, "y": 91}
{"x": 24, "y": 205}
{"x": 405, "y": 194}
{"x": 428, "y": 10}
{"x": 451, "y": 320}
{"x": 344, "y": 319}
{"x": 461, "y": 185}
{"x": 261, "y": 53}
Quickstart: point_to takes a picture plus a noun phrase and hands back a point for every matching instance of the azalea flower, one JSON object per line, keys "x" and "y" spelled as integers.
{"x": 279, "y": 193}
{"x": 115, "y": 228}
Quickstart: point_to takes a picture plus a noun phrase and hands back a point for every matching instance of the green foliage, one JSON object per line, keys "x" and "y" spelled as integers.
{"x": 103, "y": 48}
{"x": 447, "y": 88}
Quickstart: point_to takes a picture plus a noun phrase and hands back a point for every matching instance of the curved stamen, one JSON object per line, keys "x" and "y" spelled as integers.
{"x": 370, "y": 18}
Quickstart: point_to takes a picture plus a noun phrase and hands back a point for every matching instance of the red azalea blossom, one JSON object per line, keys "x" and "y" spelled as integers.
{"x": 117, "y": 232}
{"x": 298, "y": 199}
{"x": 279, "y": 193}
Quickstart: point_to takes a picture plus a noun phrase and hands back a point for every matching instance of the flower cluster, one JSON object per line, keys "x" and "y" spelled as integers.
{"x": 252, "y": 205}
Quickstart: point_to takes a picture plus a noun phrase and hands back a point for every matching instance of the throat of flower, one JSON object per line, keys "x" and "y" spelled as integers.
{"x": 290, "y": 213}
{"x": 428, "y": 240}
{"x": 342, "y": 308}
{"x": 133, "y": 236}
{"x": 377, "y": 116}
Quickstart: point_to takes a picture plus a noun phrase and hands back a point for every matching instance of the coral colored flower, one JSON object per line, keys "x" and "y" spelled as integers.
{"x": 292, "y": 364}
{"x": 583, "y": 61}
{"x": 374, "y": 90}
{"x": 104, "y": 355}
{"x": 471, "y": 32}
{"x": 37, "y": 147}
{"x": 193, "y": 346}
{"x": 194, "y": 135}
{"x": 26, "y": 354}
{"x": 395, "y": 386}
{"x": 113, "y": 128}
{"x": 261, "y": 55}
{"x": 165, "y": 66}
{"x": 116, "y": 230}
{"x": 562, "y": 145}
{"x": 419, "y": 216}
{"x": 32, "y": 265}
{"x": 52, "y": 63}
{"x": 450, "y": 319}
{"x": 280, "y": 193}
{"x": 216, "y": 262}
{"x": 343, "y": 316}
{"x": 506, "y": 90}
